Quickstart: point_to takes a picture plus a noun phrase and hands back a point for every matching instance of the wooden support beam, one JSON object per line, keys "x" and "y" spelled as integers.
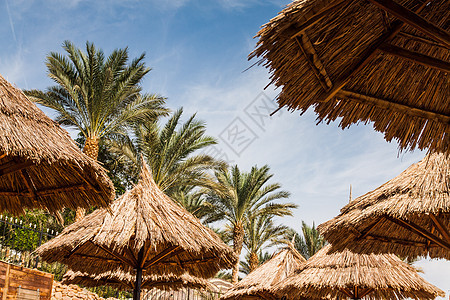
{"x": 365, "y": 57}
{"x": 442, "y": 229}
{"x": 393, "y": 240}
{"x": 45, "y": 192}
{"x": 123, "y": 259}
{"x": 366, "y": 231}
{"x": 14, "y": 166}
{"x": 347, "y": 292}
{"x": 101, "y": 258}
{"x": 131, "y": 256}
{"x": 389, "y": 105}
{"x": 297, "y": 30}
{"x": 416, "y": 57}
{"x": 417, "y": 38}
{"x": 2, "y": 155}
{"x": 30, "y": 186}
{"x": 314, "y": 62}
{"x": 365, "y": 292}
{"x": 163, "y": 255}
{"x": 419, "y": 231}
{"x": 414, "y": 20}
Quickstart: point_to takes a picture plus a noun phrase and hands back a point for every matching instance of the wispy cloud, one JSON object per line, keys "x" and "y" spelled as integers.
{"x": 11, "y": 23}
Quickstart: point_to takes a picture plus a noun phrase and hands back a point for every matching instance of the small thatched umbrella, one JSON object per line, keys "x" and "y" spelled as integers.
{"x": 40, "y": 165}
{"x": 145, "y": 231}
{"x": 346, "y": 274}
{"x": 258, "y": 284}
{"x": 408, "y": 215}
{"x": 126, "y": 281}
{"x": 385, "y": 61}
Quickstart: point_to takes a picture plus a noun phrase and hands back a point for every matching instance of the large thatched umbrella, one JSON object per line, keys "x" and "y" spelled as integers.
{"x": 126, "y": 281}
{"x": 40, "y": 165}
{"x": 385, "y": 61}
{"x": 258, "y": 284}
{"x": 408, "y": 215}
{"x": 346, "y": 275}
{"x": 145, "y": 231}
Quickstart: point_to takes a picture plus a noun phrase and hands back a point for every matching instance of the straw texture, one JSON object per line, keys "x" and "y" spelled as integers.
{"x": 40, "y": 165}
{"x": 419, "y": 195}
{"x": 145, "y": 228}
{"x": 328, "y": 55}
{"x": 126, "y": 281}
{"x": 258, "y": 284}
{"x": 330, "y": 275}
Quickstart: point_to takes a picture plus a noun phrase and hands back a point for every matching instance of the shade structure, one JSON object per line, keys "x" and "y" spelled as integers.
{"x": 258, "y": 284}
{"x": 40, "y": 165}
{"x": 347, "y": 275}
{"x": 384, "y": 61}
{"x": 408, "y": 215}
{"x": 143, "y": 230}
{"x": 126, "y": 281}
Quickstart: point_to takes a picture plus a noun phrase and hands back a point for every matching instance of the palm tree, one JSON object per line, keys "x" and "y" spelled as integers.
{"x": 261, "y": 232}
{"x": 97, "y": 96}
{"x": 245, "y": 265}
{"x": 307, "y": 243}
{"x": 244, "y": 195}
{"x": 169, "y": 152}
{"x": 193, "y": 201}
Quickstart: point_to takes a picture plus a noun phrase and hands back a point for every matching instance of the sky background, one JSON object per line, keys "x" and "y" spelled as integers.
{"x": 198, "y": 54}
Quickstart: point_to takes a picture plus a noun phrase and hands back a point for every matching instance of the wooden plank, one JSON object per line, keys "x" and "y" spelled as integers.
{"x": 442, "y": 229}
{"x": 414, "y": 20}
{"x": 416, "y": 57}
{"x": 162, "y": 255}
{"x": 12, "y": 167}
{"x": 417, "y": 38}
{"x": 6, "y": 286}
{"x": 397, "y": 241}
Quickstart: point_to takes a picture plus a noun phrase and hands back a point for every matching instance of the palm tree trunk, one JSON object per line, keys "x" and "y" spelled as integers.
{"x": 253, "y": 261}
{"x": 90, "y": 148}
{"x": 238, "y": 241}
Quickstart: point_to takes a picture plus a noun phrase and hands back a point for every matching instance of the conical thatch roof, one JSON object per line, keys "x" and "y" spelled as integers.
{"x": 126, "y": 281}
{"x": 408, "y": 215}
{"x": 258, "y": 284}
{"x": 147, "y": 229}
{"x": 40, "y": 165}
{"x": 384, "y": 61}
{"x": 348, "y": 275}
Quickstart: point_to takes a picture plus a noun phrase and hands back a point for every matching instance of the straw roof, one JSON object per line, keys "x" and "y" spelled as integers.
{"x": 383, "y": 61}
{"x": 408, "y": 215}
{"x": 348, "y": 275}
{"x": 40, "y": 165}
{"x": 258, "y": 284}
{"x": 145, "y": 228}
{"x": 126, "y": 281}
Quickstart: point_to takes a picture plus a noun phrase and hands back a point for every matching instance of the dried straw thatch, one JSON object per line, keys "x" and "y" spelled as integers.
{"x": 258, "y": 284}
{"x": 375, "y": 60}
{"x": 408, "y": 215}
{"x": 348, "y": 275}
{"x": 126, "y": 281}
{"x": 145, "y": 230}
{"x": 40, "y": 165}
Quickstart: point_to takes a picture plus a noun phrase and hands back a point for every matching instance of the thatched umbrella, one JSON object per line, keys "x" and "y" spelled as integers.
{"x": 145, "y": 231}
{"x": 383, "y": 61}
{"x": 40, "y": 165}
{"x": 126, "y": 281}
{"x": 346, "y": 274}
{"x": 258, "y": 284}
{"x": 408, "y": 215}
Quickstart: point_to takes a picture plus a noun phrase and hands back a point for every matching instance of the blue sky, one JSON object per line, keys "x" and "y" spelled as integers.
{"x": 198, "y": 51}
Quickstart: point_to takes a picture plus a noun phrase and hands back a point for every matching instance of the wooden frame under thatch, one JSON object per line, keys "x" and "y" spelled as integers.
{"x": 408, "y": 215}
{"x": 146, "y": 231}
{"x": 126, "y": 281}
{"x": 383, "y": 61}
{"x": 40, "y": 165}
{"x": 258, "y": 284}
{"x": 347, "y": 275}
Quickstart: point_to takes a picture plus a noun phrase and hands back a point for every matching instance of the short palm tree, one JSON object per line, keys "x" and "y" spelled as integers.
{"x": 245, "y": 265}
{"x": 307, "y": 243}
{"x": 261, "y": 232}
{"x": 97, "y": 96}
{"x": 169, "y": 151}
{"x": 243, "y": 195}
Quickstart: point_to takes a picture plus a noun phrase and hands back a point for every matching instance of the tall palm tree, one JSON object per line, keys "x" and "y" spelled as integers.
{"x": 261, "y": 232}
{"x": 307, "y": 243}
{"x": 169, "y": 150}
{"x": 193, "y": 201}
{"x": 244, "y": 195}
{"x": 245, "y": 265}
{"x": 97, "y": 96}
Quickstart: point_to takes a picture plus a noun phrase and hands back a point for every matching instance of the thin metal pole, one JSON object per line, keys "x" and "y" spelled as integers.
{"x": 138, "y": 284}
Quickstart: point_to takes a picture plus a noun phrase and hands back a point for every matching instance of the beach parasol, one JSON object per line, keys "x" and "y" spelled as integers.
{"x": 347, "y": 275}
{"x": 258, "y": 284}
{"x": 40, "y": 165}
{"x": 143, "y": 230}
{"x": 126, "y": 281}
{"x": 382, "y": 61}
{"x": 408, "y": 215}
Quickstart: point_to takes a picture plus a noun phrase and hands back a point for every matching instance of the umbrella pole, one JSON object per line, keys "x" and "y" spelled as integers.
{"x": 137, "y": 286}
